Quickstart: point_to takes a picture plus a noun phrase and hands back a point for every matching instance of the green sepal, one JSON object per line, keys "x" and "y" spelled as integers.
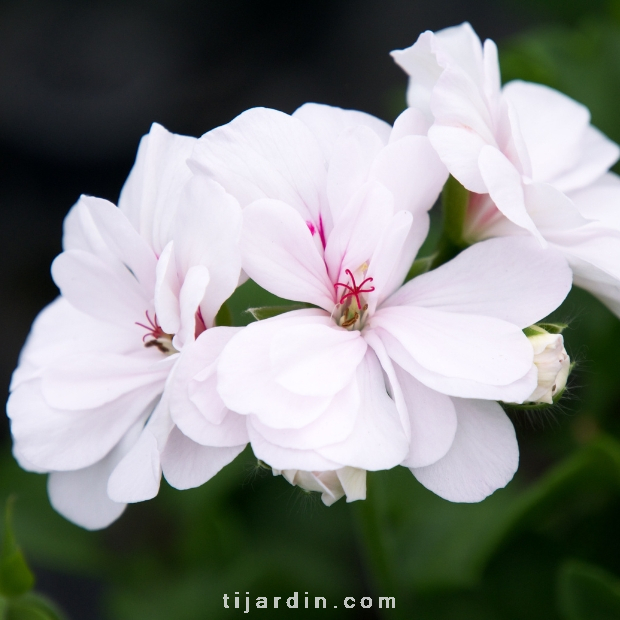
{"x": 454, "y": 200}
{"x": 420, "y": 266}
{"x": 15, "y": 576}
{"x": 544, "y": 328}
{"x": 223, "y": 318}
{"x": 586, "y": 592}
{"x": 270, "y": 311}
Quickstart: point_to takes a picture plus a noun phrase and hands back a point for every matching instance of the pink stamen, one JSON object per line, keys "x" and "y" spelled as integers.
{"x": 355, "y": 290}
{"x": 153, "y": 328}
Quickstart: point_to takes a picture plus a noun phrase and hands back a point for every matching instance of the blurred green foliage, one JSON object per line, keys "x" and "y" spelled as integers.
{"x": 547, "y": 547}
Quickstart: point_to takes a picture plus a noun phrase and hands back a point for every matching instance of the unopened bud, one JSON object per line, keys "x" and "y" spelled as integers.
{"x": 332, "y": 485}
{"x": 552, "y": 362}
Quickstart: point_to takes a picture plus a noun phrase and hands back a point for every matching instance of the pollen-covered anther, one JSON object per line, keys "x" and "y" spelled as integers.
{"x": 159, "y": 338}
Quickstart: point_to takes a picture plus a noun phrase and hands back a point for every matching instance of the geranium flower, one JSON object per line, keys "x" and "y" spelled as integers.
{"x": 89, "y": 401}
{"x": 528, "y": 153}
{"x": 375, "y": 374}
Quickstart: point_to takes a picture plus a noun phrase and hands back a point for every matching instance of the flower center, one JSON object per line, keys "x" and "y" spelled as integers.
{"x": 352, "y": 309}
{"x": 158, "y": 337}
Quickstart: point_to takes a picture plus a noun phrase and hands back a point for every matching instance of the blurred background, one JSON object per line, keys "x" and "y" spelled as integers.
{"x": 79, "y": 84}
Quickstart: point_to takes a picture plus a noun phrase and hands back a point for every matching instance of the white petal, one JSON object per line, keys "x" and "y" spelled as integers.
{"x": 353, "y": 482}
{"x": 510, "y": 278}
{"x": 483, "y": 457}
{"x": 378, "y": 440}
{"x": 600, "y": 200}
{"x": 100, "y": 290}
{"x": 167, "y": 289}
{"x": 432, "y": 418}
{"x": 352, "y": 156}
{"x": 195, "y": 405}
{"x": 81, "y": 495}
{"x": 206, "y": 232}
{"x": 503, "y": 182}
{"x": 464, "y": 346}
{"x": 412, "y": 171}
{"x": 553, "y": 126}
{"x": 55, "y": 439}
{"x": 411, "y": 122}
{"x": 266, "y": 154}
{"x": 192, "y": 293}
{"x": 516, "y": 392}
{"x": 97, "y": 226}
{"x": 151, "y": 193}
{"x": 279, "y": 254}
{"x": 315, "y": 360}
{"x": 328, "y": 122}
{"x": 187, "y": 464}
{"x": 357, "y": 231}
{"x": 246, "y": 381}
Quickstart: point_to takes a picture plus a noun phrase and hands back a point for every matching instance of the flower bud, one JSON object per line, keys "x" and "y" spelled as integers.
{"x": 552, "y": 362}
{"x": 332, "y": 485}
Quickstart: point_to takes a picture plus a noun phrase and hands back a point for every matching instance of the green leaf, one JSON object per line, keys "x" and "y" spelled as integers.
{"x": 15, "y": 576}
{"x": 224, "y": 316}
{"x": 586, "y": 592}
{"x": 420, "y": 266}
{"x": 270, "y": 311}
{"x": 454, "y": 200}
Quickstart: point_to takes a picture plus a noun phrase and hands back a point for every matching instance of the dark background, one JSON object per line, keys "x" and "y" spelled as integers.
{"x": 80, "y": 83}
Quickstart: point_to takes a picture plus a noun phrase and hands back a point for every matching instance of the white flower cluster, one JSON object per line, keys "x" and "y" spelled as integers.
{"x": 130, "y": 374}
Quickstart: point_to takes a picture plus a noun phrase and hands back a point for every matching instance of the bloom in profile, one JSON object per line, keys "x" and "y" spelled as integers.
{"x": 374, "y": 374}
{"x": 89, "y": 400}
{"x": 528, "y": 154}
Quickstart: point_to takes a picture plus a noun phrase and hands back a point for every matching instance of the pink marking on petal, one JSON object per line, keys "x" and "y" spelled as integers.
{"x": 310, "y": 225}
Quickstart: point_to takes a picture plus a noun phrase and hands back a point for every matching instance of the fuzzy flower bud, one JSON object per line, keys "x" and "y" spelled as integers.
{"x": 332, "y": 485}
{"x": 553, "y": 363}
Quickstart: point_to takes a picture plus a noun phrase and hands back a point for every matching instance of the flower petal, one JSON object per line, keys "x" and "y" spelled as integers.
{"x": 187, "y": 464}
{"x": 483, "y": 458}
{"x": 280, "y": 255}
{"x": 510, "y": 278}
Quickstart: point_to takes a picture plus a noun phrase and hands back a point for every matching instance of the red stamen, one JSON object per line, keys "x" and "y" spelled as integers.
{"x": 355, "y": 290}
{"x": 153, "y": 328}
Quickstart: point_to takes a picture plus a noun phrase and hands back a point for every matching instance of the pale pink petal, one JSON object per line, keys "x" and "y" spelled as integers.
{"x": 552, "y": 124}
{"x": 503, "y": 182}
{"x": 516, "y": 392}
{"x": 264, "y": 153}
{"x": 510, "y": 278}
{"x": 151, "y": 193}
{"x": 98, "y": 289}
{"x": 412, "y": 171}
{"x": 550, "y": 209}
{"x": 328, "y": 122}
{"x": 459, "y": 148}
{"x": 88, "y": 381}
{"x": 195, "y": 405}
{"x": 97, "y": 226}
{"x": 411, "y": 122}
{"x": 167, "y": 290}
{"x": 335, "y": 424}
{"x": 193, "y": 291}
{"x": 352, "y": 157}
{"x": 187, "y": 464}
{"x": 378, "y": 440}
{"x": 58, "y": 440}
{"x": 483, "y": 458}
{"x": 464, "y": 346}
{"x": 432, "y": 421}
{"x": 246, "y": 381}
{"x": 600, "y": 200}
{"x": 81, "y": 495}
{"x": 315, "y": 360}
{"x": 280, "y": 457}
{"x": 358, "y": 230}
{"x": 280, "y": 255}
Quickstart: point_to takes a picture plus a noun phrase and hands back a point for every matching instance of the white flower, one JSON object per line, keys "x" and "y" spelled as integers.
{"x": 528, "y": 152}
{"x": 89, "y": 401}
{"x": 335, "y": 209}
{"x": 331, "y": 484}
{"x": 553, "y": 364}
